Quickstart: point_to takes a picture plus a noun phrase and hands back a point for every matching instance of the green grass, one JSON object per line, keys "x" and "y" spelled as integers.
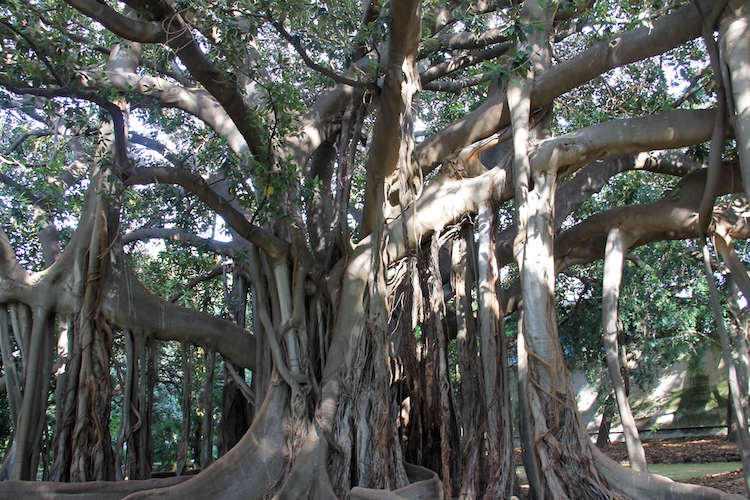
{"x": 680, "y": 472}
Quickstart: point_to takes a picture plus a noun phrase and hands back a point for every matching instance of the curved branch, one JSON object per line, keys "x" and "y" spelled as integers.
{"x": 674, "y": 129}
{"x": 178, "y": 234}
{"x": 123, "y": 26}
{"x": 168, "y": 27}
{"x": 675, "y": 216}
{"x": 273, "y": 246}
{"x": 32, "y": 133}
{"x": 461, "y": 62}
{"x": 196, "y": 101}
{"x": 130, "y": 305}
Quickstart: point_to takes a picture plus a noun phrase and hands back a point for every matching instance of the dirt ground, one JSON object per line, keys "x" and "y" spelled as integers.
{"x": 689, "y": 450}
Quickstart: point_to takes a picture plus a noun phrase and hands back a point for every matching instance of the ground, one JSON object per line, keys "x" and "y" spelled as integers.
{"x": 692, "y": 450}
{"x": 703, "y": 450}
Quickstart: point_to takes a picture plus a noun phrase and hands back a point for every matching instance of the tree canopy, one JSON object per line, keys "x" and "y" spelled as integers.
{"x": 344, "y": 201}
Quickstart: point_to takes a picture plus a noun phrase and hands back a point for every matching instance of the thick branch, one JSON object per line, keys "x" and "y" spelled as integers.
{"x": 178, "y": 234}
{"x": 457, "y": 63}
{"x": 169, "y": 28}
{"x": 393, "y": 135}
{"x": 273, "y": 246}
{"x": 666, "y": 33}
{"x": 130, "y": 305}
{"x": 196, "y": 101}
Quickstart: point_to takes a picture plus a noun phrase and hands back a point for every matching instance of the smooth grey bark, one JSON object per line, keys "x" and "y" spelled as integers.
{"x": 734, "y": 48}
{"x": 249, "y": 469}
{"x": 734, "y": 386}
{"x": 393, "y": 131}
{"x": 666, "y": 33}
{"x": 347, "y": 337}
{"x": 617, "y": 245}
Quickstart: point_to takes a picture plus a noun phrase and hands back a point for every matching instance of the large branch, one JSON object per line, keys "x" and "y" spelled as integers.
{"x": 178, "y": 234}
{"x": 273, "y": 246}
{"x": 670, "y": 130}
{"x": 674, "y": 217}
{"x": 446, "y": 200}
{"x": 130, "y": 305}
{"x": 196, "y": 101}
{"x": 169, "y": 28}
{"x": 675, "y": 214}
{"x": 665, "y": 34}
{"x": 393, "y": 133}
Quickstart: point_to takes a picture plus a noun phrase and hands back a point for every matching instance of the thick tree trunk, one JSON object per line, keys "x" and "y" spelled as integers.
{"x": 734, "y": 47}
{"x": 23, "y": 458}
{"x": 471, "y": 394}
{"x": 494, "y": 355}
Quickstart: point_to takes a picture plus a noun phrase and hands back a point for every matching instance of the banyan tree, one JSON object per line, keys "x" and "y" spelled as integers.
{"x": 379, "y": 186}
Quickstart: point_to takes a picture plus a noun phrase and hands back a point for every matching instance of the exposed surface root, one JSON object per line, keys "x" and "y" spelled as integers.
{"x": 97, "y": 490}
{"x": 425, "y": 485}
{"x": 636, "y": 484}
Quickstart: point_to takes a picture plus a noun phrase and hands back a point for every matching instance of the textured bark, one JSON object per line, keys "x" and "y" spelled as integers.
{"x": 353, "y": 380}
{"x": 393, "y": 131}
{"x": 494, "y": 355}
{"x": 473, "y": 478}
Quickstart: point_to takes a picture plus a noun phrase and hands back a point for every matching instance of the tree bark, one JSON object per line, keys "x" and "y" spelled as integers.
{"x": 617, "y": 245}
{"x": 734, "y": 387}
{"x": 494, "y": 355}
{"x": 471, "y": 395}
{"x": 734, "y": 48}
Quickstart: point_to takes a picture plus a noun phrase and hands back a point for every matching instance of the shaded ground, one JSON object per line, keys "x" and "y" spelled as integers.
{"x": 691, "y": 450}
{"x": 681, "y": 450}
{"x": 688, "y": 451}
